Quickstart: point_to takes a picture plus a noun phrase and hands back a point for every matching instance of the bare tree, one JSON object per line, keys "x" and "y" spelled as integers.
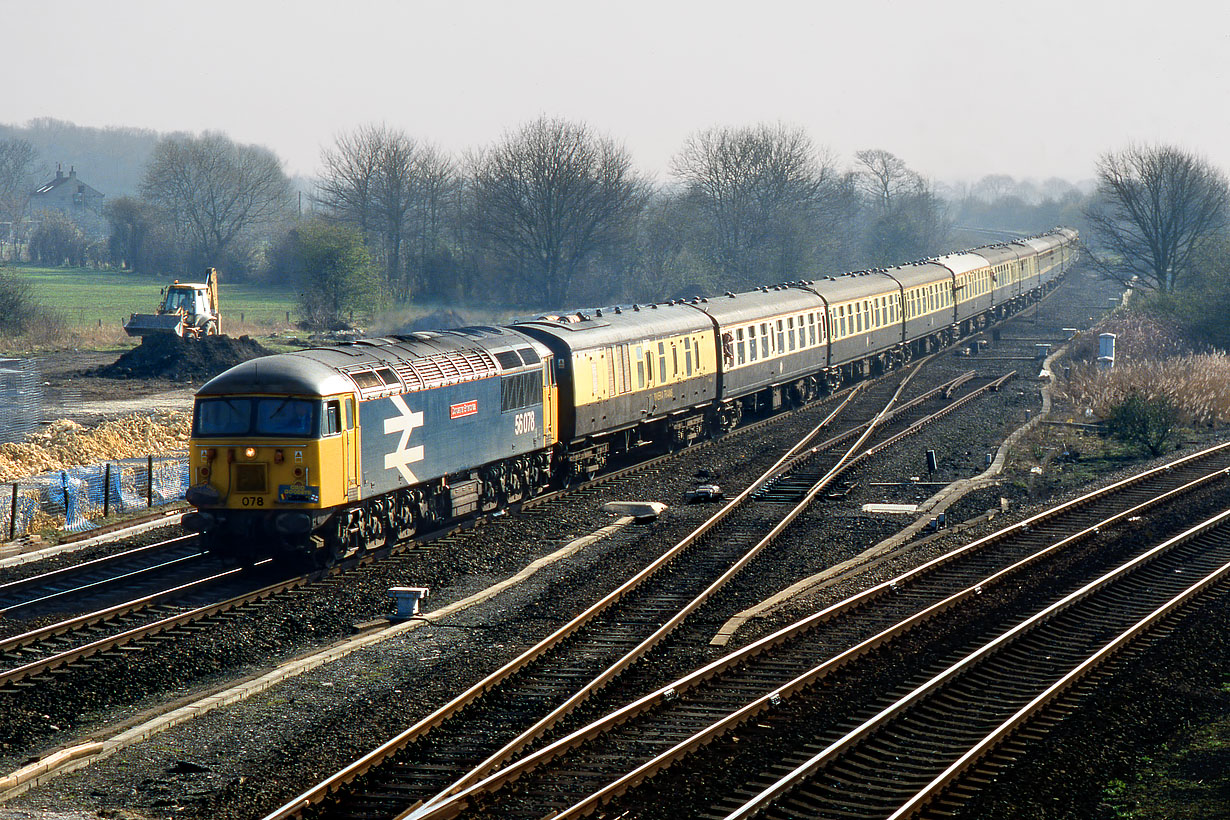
{"x": 1154, "y": 209}
{"x": 993, "y": 186}
{"x": 762, "y": 190}
{"x": 347, "y": 184}
{"x": 905, "y": 218}
{"x": 395, "y": 191}
{"x": 216, "y": 191}
{"x": 18, "y": 165}
{"x": 884, "y": 176}
{"x": 548, "y": 198}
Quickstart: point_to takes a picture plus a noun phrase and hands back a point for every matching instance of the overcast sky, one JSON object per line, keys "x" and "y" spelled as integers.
{"x": 957, "y": 89}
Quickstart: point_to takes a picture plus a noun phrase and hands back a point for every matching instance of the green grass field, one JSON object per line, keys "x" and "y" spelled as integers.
{"x": 86, "y": 297}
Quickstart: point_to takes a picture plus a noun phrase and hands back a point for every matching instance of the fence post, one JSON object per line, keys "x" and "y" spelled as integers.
{"x": 107, "y": 490}
{"x": 149, "y": 485}
{"x": 13, "y": 514}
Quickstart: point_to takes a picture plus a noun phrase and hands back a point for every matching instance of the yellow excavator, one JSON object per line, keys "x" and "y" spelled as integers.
{"x": 188, "y": 309}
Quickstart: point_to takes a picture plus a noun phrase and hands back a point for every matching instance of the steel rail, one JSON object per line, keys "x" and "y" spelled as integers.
{"x": 765, "y": 798}
{"x": 155, "y": 627}
{"x": 43, "y": 579}
{"x": 94, "y": 586}
{"x": 789, "y": 633}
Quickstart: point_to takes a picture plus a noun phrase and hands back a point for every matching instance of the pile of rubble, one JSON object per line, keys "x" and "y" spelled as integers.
{"x": 65, "y": 443}
{"x": 167, "y": 356}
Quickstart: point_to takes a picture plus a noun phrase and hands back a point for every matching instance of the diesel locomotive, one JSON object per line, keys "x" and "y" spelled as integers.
{"x": 329, "y": 450}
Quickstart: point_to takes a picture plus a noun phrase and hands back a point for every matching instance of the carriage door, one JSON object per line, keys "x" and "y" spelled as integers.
{"x": 351, "y": 448}
{"x": 550, "y": 399}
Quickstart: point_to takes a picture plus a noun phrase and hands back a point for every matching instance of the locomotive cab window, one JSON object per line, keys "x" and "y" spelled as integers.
{"x": 333, "y": 418}
{"x": 258, "y": 417}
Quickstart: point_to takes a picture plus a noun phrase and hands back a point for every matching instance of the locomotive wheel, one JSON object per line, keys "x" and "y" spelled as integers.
{"x": 376, "y": 524}
{"x": 403, "y": 521}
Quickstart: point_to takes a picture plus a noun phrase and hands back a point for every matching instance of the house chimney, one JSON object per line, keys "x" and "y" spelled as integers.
{"x": 59, "y": 171}
{"x": 72, "y": 171}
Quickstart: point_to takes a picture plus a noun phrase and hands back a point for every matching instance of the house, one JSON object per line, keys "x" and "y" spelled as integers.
{"x": 72, "y": 197}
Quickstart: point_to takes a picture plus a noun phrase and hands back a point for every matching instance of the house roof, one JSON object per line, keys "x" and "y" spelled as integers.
{"x": 60, "y": 179}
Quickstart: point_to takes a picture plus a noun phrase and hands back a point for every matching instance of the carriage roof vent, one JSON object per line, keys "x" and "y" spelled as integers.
{"x": 598, "y": 312}
{"x": 636, "y": 307}
{"x": 617, "y": 310}
{"x": 730, "y": 293}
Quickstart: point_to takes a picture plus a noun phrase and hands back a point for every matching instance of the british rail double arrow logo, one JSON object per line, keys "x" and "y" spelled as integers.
{"x": 401, "y": 458}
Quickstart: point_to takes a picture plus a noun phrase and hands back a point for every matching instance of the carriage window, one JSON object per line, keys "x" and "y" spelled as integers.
{"x": 661, "y": 363}
{"x": 790, "y": 328}
{"x": 687, "y": 356}
{"x": 764, "y": 340}
{"x": 811, "y": 328}
{"x": 349, "y": 414}
{"x": 741, "y": 346}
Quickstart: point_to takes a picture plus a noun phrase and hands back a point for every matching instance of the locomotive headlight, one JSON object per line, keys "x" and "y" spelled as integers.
{"x": 250, "y": 452}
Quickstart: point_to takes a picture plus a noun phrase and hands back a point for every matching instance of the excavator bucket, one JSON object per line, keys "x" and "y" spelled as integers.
{"x": 143, "y": 324}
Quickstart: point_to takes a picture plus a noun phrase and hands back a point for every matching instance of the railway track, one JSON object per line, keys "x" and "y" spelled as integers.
{"x": 100, "y": 577}
{"x": 640, "y": 615}
{"x": 597, "y": 762}
{"x": 910, "y": 754}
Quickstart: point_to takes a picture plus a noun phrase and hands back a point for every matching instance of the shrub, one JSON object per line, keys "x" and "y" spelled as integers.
{"x": 1150, "y": 423}
{"x": 21, "y": 316}
{"x": 15, "y": 303}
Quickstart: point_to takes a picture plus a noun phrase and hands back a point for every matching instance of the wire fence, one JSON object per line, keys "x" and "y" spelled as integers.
{"x": 69, "y": 499}
{"x": 21, "y": 398}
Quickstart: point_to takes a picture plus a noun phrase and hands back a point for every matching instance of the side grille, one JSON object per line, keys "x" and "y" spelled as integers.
{"x": 250, "y": 478}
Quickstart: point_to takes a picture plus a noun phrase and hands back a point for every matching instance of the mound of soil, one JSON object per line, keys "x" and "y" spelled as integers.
{"x": 166, "y": 356}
